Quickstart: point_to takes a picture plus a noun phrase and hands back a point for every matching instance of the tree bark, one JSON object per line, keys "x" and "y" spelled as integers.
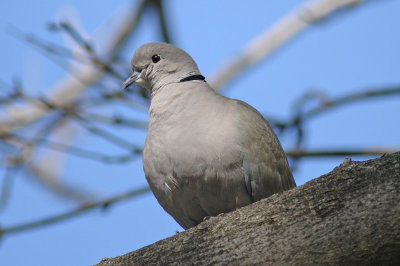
{"x": 348, "y": 216}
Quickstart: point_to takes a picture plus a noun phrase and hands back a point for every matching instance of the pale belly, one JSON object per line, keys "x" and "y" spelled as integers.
{"x": 194, "y": 180}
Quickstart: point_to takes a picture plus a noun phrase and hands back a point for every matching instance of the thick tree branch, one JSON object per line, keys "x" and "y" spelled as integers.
{"x": 349, "y": 216}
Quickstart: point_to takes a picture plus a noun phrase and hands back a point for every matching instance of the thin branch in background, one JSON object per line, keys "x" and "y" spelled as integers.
{"x": 52, "y": 51}
{"x": 25, "y": 159}
{"x": 61, "y": 189}
{"x": 17, "y": 88}
{"x": 122, "y": 36}
{"x": 135, "y": 105}
{"x": 104, "y": 96}
{"x": 71, "y": 214}
{"x": 318, "y": 96}
{"x": 112, "y": 138}
{"x": 93, "y": 57}
{"x": 7, "y": 97}
{"x": 117, "y": 120}
{"x": 299, "y": 136}
{"x": 163, "y": 21}
{"x": 79, "y": 152}
{"x": 6, "y": 185}
{"x": 97, "y": 156}
{"x": 57, "y": 53}
{"x": 73, "y": 33}
{"x": 40, "y": 44}
{"x": 83, "y": 43}
{"x": 72, "y": 112}
{"x": 134, "y": 150}
{"x": 326, "y": 104}
{"x": 13, "y": 92}
{"x": 276, "y": 36}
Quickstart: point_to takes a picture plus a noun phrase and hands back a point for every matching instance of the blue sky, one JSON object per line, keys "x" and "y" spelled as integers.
{"x": 353, "y": 51}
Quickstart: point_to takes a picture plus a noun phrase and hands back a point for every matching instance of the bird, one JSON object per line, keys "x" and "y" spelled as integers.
{"x": 204, "y": 154}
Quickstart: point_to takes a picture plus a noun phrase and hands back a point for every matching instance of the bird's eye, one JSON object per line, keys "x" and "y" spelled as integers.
{"x": 155, "y": 58}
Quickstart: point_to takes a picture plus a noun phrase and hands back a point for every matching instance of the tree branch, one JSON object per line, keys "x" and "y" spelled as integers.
{"x": 349, "y": 216}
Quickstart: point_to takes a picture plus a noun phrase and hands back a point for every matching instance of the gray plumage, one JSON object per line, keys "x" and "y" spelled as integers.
{"x": 205, "y": 154}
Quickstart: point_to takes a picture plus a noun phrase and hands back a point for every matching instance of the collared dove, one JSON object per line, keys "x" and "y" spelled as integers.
{"x": 205, "y": 154}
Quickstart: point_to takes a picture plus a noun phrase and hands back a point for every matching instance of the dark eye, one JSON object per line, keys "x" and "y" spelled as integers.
{"x": 155, "y": 58}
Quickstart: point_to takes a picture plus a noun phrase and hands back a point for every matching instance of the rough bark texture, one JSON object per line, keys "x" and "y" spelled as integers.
{"x": 348, "y": 216}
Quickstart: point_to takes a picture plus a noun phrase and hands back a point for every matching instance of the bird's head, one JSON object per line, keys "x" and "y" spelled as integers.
{"x": 157, "y": 64}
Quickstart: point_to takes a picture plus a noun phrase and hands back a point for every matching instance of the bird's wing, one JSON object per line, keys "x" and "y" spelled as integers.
{"x": 264, "y": 164}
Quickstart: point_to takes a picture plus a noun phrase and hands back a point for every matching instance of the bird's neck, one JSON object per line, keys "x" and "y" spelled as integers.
{"x": 178, "y": 98}
{"x": 158, "y": 83}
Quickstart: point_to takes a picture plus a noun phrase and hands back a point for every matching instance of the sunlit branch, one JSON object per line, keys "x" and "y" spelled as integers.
{"x": 276, "y": 36}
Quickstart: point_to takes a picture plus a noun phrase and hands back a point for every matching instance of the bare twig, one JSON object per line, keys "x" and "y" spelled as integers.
{"x": 327, "y": 104}
{"x": 46, "y": 177}
{"x": 116, "y": 140}
{"x": 46, "y": 47}
{"x": 70, "y": 214}
{"x": 117, "y": 120}
{"x": 136, "y": 103}
{"x": 77, "y": 151}
{"x": 6, "y": 185}
{"x": 163, "y": 21}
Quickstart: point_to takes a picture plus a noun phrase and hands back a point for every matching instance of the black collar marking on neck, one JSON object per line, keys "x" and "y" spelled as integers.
{"x": 193, "y": 77}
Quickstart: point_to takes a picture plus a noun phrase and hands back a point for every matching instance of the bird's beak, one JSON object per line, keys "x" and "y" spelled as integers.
{"x": 134, "y": 78}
